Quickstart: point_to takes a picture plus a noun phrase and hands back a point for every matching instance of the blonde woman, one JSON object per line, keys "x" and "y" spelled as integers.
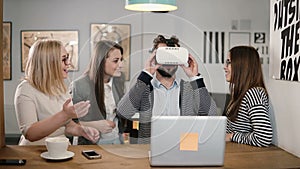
{"x": 43, "y": 106}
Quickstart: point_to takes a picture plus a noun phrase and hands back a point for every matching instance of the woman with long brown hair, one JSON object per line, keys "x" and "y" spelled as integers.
{"x": 248, "y": 109}
{"x": 103, "y": 84}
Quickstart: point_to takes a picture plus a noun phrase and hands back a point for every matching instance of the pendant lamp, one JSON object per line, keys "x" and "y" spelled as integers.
{"x": 151, "y": 5}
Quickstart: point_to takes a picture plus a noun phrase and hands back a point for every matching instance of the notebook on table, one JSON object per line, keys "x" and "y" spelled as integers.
{"x": 187, "y": 141}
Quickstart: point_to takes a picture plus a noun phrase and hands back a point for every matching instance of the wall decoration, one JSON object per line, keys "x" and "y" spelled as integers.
{"x": 284, "y": 40}
{"x": 7, "y": 50}
{"x": 239, "y": 38}
{"x": 68, "y": 37}
{"x": 259, "y": 37}
{"x": 119, "y": 33}
{"x": 213, "y": 47}
{"x": 216, "y": 44}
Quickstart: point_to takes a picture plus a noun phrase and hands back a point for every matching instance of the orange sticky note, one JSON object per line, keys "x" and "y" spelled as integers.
{"x": 189, "y": 141}
{"x": 135, "y": 125}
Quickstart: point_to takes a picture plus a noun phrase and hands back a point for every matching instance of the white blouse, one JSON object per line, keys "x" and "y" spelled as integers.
{"x": 110, "y": 106}
{"x": 32, "y": 105}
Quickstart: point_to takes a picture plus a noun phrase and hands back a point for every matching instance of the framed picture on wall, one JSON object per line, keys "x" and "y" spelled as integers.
{"x": 7, "y": 50}
{"x": 119, "y": 33}
{"x": 69, "y": 38}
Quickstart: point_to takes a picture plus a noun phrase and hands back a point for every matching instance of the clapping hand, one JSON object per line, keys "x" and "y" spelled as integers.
{"x": 90, "y": 133}
{"x": 75, "y": 129}
{"x": 78, "y": 110}
{"x": 82, "y": 108}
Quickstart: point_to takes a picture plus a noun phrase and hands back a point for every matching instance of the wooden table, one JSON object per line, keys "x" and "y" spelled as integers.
{"x": 134, "y": 156}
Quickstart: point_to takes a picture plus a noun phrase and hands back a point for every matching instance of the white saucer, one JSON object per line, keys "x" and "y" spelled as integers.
{"x": 67, "y": 155}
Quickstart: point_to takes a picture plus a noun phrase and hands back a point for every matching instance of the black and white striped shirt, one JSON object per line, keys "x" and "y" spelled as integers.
{"x": 252, "y": 125}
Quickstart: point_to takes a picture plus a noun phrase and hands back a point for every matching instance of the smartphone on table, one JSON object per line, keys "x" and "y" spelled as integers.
{"x": 91, "y": 154}
{"x": 12, "y": 161}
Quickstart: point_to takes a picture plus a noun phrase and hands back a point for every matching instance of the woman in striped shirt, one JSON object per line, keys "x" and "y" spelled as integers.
{"x": 248, "y": 120}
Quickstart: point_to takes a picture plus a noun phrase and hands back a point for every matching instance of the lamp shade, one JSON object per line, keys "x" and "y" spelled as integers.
{"x": 151, "y": 5}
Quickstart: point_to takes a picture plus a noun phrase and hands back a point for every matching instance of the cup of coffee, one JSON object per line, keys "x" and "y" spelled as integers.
{"x": 57, "y": 146}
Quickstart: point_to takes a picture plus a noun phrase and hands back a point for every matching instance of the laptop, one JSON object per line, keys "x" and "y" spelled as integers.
{"x": 187, "y": 141}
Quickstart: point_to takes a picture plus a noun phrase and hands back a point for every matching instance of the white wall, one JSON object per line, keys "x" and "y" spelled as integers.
{"x": 188, "y": 23}
{"x": 284, "y": 94}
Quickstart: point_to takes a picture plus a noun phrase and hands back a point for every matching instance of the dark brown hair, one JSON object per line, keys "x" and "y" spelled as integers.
{"x": 161, "y": 39}
{"x": 246, "y": 73}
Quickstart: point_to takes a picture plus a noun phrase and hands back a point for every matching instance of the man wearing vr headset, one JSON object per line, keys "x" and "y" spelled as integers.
{"x": 158, "y": 92}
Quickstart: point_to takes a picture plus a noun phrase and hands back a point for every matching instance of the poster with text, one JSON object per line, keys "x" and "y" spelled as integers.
{"x": 284, "y": 40}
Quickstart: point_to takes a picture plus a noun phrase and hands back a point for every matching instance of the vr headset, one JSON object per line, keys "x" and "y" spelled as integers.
{"x": 172, "y": 56}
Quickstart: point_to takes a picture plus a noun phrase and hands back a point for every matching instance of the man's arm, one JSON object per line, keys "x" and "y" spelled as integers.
{"x": 136, "y": 99}
{"x": 207, "y": 105}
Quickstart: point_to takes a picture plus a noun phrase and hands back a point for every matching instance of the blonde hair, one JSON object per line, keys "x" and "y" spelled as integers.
{"x": 43, "y": 69}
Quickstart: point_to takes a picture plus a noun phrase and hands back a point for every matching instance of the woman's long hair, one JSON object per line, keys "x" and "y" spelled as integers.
{"x": 43, "y": 68}
{"x": 96, "y": 69}
{"x": 246, "y": 73}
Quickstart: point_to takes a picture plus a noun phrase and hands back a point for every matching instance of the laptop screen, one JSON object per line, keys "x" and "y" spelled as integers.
{"x": 187, "y": 140}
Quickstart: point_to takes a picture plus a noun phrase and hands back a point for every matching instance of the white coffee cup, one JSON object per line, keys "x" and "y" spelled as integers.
{"x": 57, "y": 146}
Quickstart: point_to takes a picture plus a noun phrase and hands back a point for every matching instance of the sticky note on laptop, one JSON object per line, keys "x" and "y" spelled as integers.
{"x": 189, "y": 141}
